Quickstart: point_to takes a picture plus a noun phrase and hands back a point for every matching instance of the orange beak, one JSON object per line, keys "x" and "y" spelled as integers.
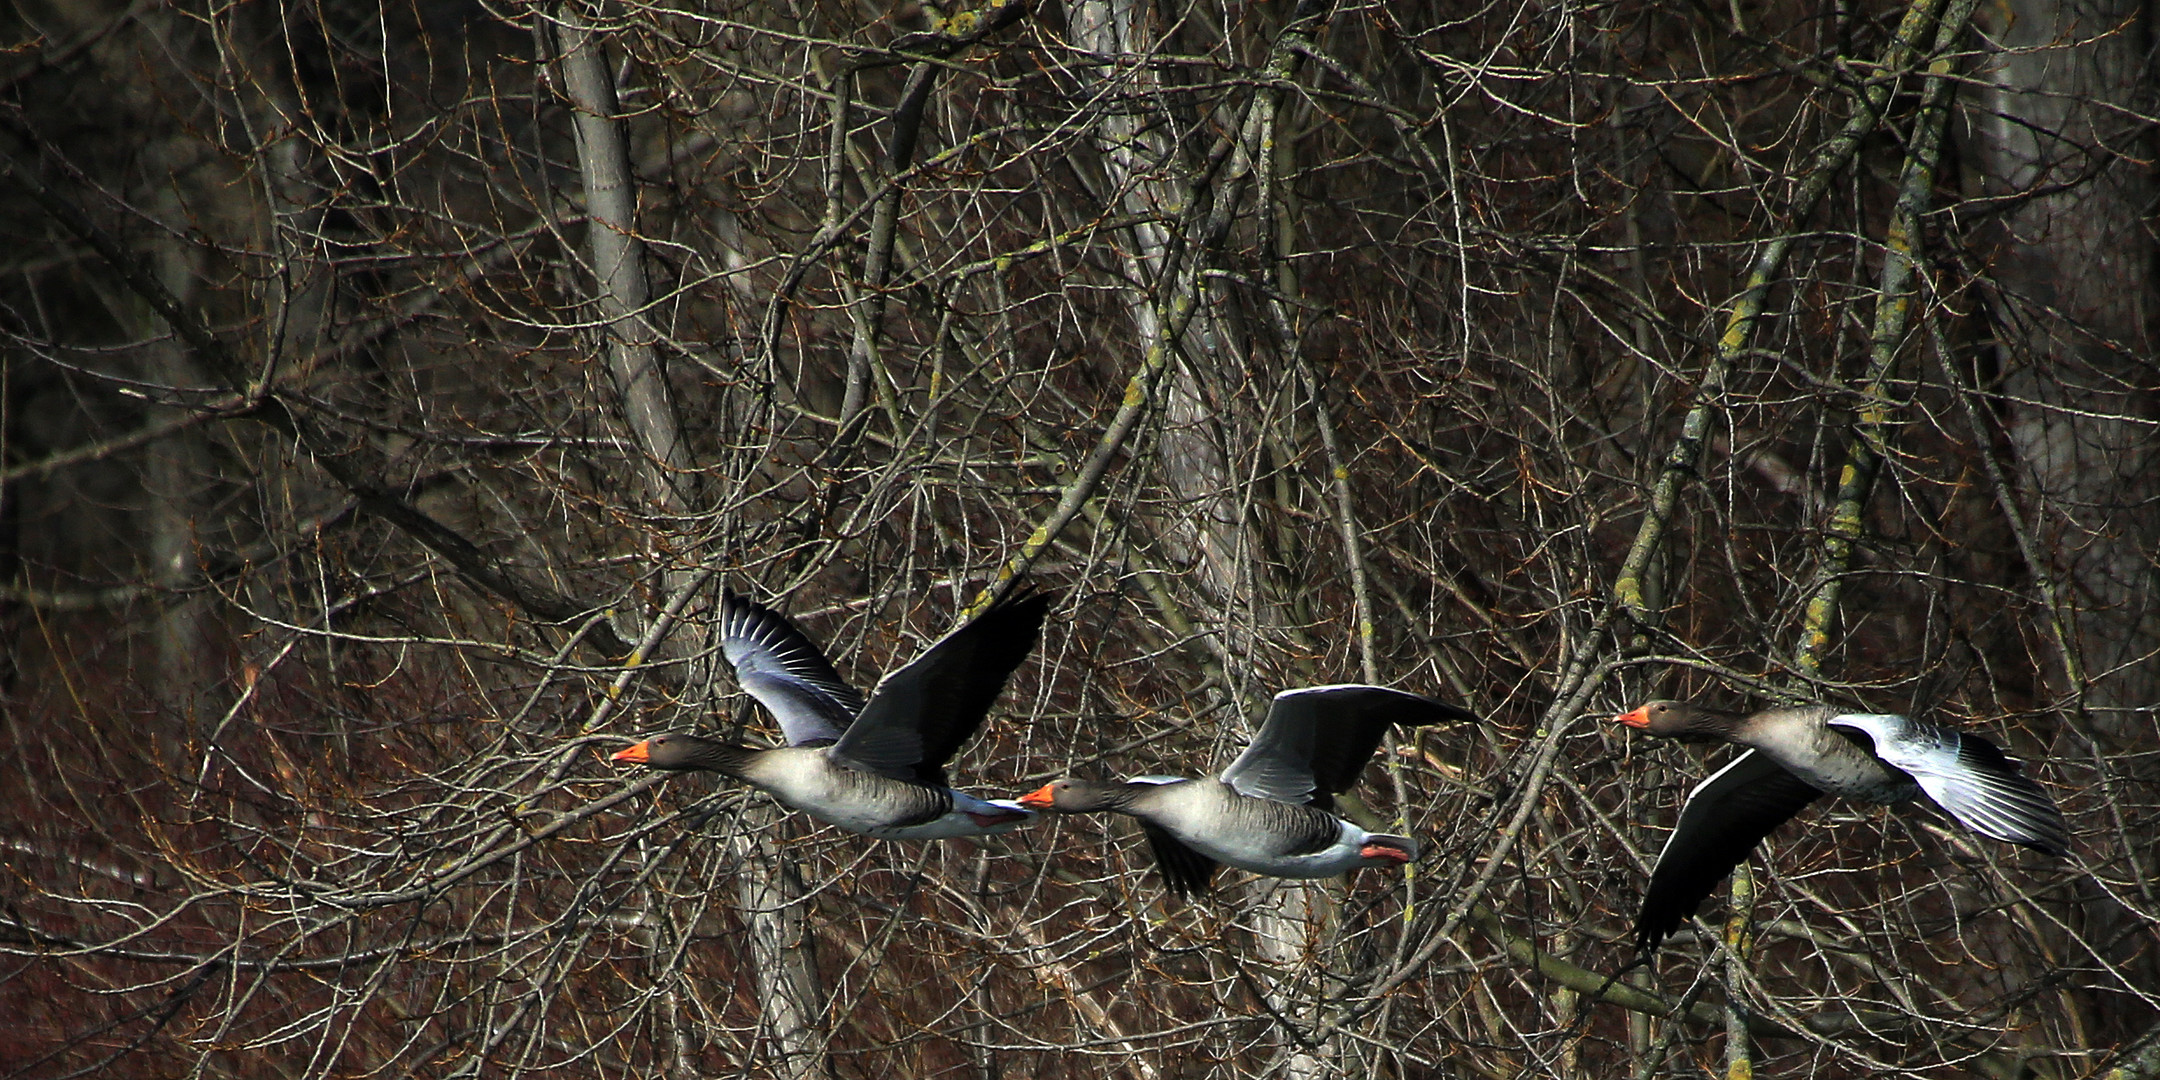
{"x": 1387, "y": 852}
{"x": 1038, "y": 799}
{"x": 1637, "y": 717}
{"x": 636, "y": 755}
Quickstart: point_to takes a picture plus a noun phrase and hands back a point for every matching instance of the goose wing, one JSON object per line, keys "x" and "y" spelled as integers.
{"x": 1185, "y": 872}
{"x": 920, "y": 715}
{"x": 1969, "y": 777}
{"x": 1316, "y": 740}
{"x": 1724, "y": 818}
{"x": 776, "y": 664}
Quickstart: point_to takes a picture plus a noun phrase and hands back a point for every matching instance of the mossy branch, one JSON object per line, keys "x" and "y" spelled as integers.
{"x": 1898, "y": 57}
{"x": 1893, "y": 313}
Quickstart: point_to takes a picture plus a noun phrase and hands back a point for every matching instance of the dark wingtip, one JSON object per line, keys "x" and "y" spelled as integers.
{"x": 1185, "y": 873}
{"x": 1186, "y": 888}
{"x": 736, "y": 606}
{"x": 2042, "y": 820}
{"x": 1642, "y": 959}
{"x": 2059, "y": 847}
{"x": 1185, "y": 881}
{"x": 1459, "y": 714}
{"x": 1410, "y": 709}
{"x": 1656, "y": 920}
{"x": 1649, "y": 934}
{"x": 1023, "y": 609}
{"x": 1646, "y": 946}
{"x": 1025, "y": 599}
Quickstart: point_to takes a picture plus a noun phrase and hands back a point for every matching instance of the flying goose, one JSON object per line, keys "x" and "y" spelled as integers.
{"x": 1797, "y": 755}
{"x": 1272, "y": 811}
{"x": 876, "y": 767}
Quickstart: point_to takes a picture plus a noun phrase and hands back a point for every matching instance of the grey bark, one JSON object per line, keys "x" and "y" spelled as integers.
{"x": 1209, "y": 535}
{"x": 174, "y": 478}
{"x": 623, "y": 293}
{"x": 781, "y": 952}
{"x": 2075, "y": 279}
{"x": 2074, "y": 268}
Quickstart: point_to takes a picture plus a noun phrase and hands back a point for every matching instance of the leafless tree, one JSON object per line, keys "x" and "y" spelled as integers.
{"x": 391, "y": 388}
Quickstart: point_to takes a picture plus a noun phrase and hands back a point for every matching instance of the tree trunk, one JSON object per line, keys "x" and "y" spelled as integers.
{"x": 784, "y": 962}
{"x": 2074, "y": 283}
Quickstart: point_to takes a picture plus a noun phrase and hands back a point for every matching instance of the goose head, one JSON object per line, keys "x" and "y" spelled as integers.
{"x": 1676, "y": 719}
{"x": 683, "y": 753}
{"x": 1074, "y": 795}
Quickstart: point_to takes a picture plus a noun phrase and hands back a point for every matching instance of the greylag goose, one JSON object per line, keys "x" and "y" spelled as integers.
{"x": 1797, "y": 755}
{"x": 1272, "y": 810}
{"x": 876, "y": 767}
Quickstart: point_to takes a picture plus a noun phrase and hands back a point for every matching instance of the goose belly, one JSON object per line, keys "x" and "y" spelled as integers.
{"x": 1339, "y": 857}
{"x": 966, "y": 818}
{"x": 808, "y": 782}
{"x": 945, "y": 827}
{"x": 1880, "y": 785}
{"x": 1261, "y": 835}
{"x": 1852, "y": 772}
{"x": 886, "y": 822}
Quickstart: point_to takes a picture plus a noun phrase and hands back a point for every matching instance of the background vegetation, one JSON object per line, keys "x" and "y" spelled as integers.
{"x": 391, "y": 386}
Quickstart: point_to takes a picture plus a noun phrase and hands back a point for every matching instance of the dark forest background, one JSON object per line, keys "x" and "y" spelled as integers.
{"x": 392, "y": 385}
